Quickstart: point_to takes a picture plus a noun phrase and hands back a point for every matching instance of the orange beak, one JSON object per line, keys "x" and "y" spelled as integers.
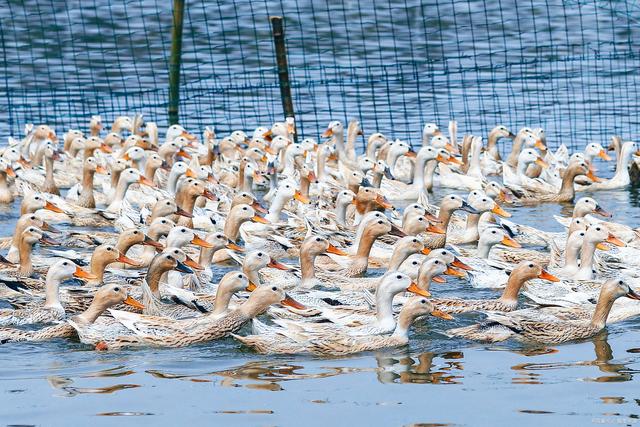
{"x": 190, "y": 173}
{"x": 383, "y": 202}
{"x": 126, "y": 260}
{"x": 545, "y": 275}
{"x": 191, "y": 263}
{"x": 508, "y": 241}
{"x": 441, "y": 159}
{"x": 145, "y": 181}
{"x": 432, "y": 218}
{"x": 234, "y": 247}
{"x": 441, "y": 314}
{"x": 133, "y": 303}
{"x": 540, "y": 145}
{"x": 499, "y": 211}
{"x": 459, "y": 264}
{"x": 251, "y": 287}
{"x": 425, "y": 251}
{"x": 184, "y": 154}
{"x": 270, "y": 151}
{"x": 615, "y": 241}
{"x": 258, "y": 207}
{"x": 311, "y": 176}
{"x": 452, "y": 149}
{"x": 593, "y": 177}
{"x": 10, "y": 172}
{"x": 541, "y": 163}
{"x": 453, "y": 272}
{"x": 277, "y": 265}
{"x": 327, "y": 133}
{"x": 209, "y": 195}
{"x": 299, "y": 197}
{"x": 431, "y": 228}
{"x": 603, "y": 155}
{"x": 126, "y": 157}
{"x": 268, "y": 134}
{"x": 411, "y": 154}
{"x": 82, "y": 274}
{"x": 288, "y": 301}
{"x": 438, "y": 279}
{"x": 455, "y": 161}
{"x": 202, "y": 243}
{"x": 418, "y": 290}
{"x": 602, "y": 246}
{"x": 188, "y": 136}
{"x": 333, "y": 250}
{"x": 53, "y": 208}
{"x": 259, "y": 219}
{"x": 101, "y": 170}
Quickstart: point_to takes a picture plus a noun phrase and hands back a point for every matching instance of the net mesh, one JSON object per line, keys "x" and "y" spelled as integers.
{"x": 567, "y": 66}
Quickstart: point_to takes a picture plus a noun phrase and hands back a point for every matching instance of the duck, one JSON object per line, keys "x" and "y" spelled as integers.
{"x": 448, "y": 206}
{"x": 567, "y": 192}
{"x": 594, "y": 235}
{"x": 621, "y": 177}
{"x": 127, "y": 177}
{"x": 6, "y": 192}
{"x": 500, "y": 327}
{"x": 85, "y": 193}
{"x": 508, "y": 301}
{"x": 52, "y": 310}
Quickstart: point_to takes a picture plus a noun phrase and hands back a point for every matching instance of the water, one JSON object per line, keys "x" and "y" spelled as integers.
{"x": 434, "y": 381}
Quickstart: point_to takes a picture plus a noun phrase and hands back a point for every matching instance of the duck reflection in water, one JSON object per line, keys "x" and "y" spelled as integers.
{"x": 422, "y": 368}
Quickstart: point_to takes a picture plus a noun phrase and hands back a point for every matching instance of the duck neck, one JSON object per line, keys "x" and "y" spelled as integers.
{"x": 321, "y": 168}
{"x": 252, "y": 274}
{"x": 484, "y": 248}
{"x": 567, "y": 184}
{"x": 398, "y": 256}
{"x": 365, "y": 244}
{"x": 153, "y": 277}
{"x": 48, "y": 165}
{"x": 121, "y": 190}
{"x": 512, "y": 160}
{"x": 511, "y": 291}
{"x": 521, "y": 170}
{"x": 95, "y": 309}
{"x": 115, "y": 177}
{"x": 150, "y": 170}
{"x": 276, "y": 208}
{"x": 601, "y": 313}
{"x": 418, "y": 172}
{"x": 232, "y": 228}
{"x": 98, "y": 266}
{"x": 571, "y": 254}
{"x": 492, "y": 145}
{"x": 304, "y": 186}
{"x": 429, "y": 172}
{"x": 52, "y": 299}
{"x": 471, "y": 231}
{"x": 26, "y": 265}
{"x": 401, "y": 331}
{"x": 445, "y": 217}
{"x": 622, "y": 171}
{"x": 223, "y": 297}
{"x": 586, "y": 256}
{"x": 206, "y": 254}
{"x": 307, "y": 260}
{"x": 384, "y": 307}
{"x": 341, "y": 213}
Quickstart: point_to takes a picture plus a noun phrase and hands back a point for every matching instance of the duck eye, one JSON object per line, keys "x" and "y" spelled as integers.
{"x": 620, "y": 282}
{"x": 597, "y": 228}
{"x": 65, "y": 263}
{"x": 116, "y": 289}
{"x": 436, "y": 262}
{"x": 398, "y": 277}
{"x": 318, "y": 239}
{"x": 379, "y": 222}
{"x": 259, "y": 253}
{"x": 109, "y": 249}
{"x": 415, "y": 240}
{"x": 274, "y": 288}
{"x": 244, "y": 209}
{"x": 530, "y": 265}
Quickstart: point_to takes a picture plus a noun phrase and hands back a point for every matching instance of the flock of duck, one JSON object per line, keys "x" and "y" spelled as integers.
{"x": 318, "y": 259}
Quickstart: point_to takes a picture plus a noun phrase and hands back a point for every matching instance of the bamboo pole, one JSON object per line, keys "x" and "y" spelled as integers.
{"x": 174, "y": 61}
{"x": 283, "y": 69}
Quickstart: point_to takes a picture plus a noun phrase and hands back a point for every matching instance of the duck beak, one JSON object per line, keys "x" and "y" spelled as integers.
{"x": 540, "y": 145}
{"x": 311, "y": 176}
{"x": 82, "y": 274}
{"x": 431, "y": 228}
{"x": 598, "y": 210}
{"x": 126, "y": 157}
{"x": 602, "y": 246}
{"x": 200, "y": 242}
{"x": 264, "y": 158}
{"x": 411, "y": 154}
{"x": 425, "y": 251}
{"x": 133, "y": 302}
{"x": 105, "y": 148}
{"x": 101, "y": 170}
{"x": 209, "y": 195}
{"x": 432, "y": 218}
{"x": 290, "y": 302}
{"x": 545, "y": 275}
{"x": 10, "y": 172}
{"x": 468, "y": 208}
{"x": 327, "y": 133}
{"x": 508, "y": 241}
{"x": 188, "y": 136}
{"x": 332, "y": 156}
{"x": 270, "y": 150}
{"x": 451, "y": 149}
{"x": 603, "y": 155}
{"x": 191, "y": 263}
{"x": 24, "y": 162}
{"x": 499, "y": 211}
{"x": 333, "y": 250}
{"x": 459, "y": 264}
{"x": 47, "y": 240}
{"x": 414, "y": 288}
{"x": 395, "y": 231}
{"x": 181, "y": 212}
{"x": 301, "y": 198}
{"x": 632, "y": 294}
{"x": 541, "y": 163}
{"x": 126, "y": 260}
{"x": 441, "y": 159}
{"x": 258, "y": 207}
{"x": 53, "y": 208}
{"x": 190, "y": 173}
{"x": 182, "y": 268}
{"x": 232, "y": 246}
{"x": 615, "y": 241}
{"x": 145, "y": 181}
{"x": 455, "y": 161}
{"x": 453, "y": 272}
{"x": 593, "y": 177}
{"x": 505, "y": 196}
{"x": 251, "y": 287}
{"x": 441, "y": 314}
{"x": 275, "y": 264}
{"x": 383, "y": 202}
{"x": 260, "y": 219}
{"x": 150, "y": 242}
{"x": 212, "y": 179}
{"x": 267, "y": 135}
{"x": 438, "y": 279}
{"x": 182, "y": 153}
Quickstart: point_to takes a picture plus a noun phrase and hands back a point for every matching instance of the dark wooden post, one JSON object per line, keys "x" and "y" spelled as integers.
{"x": 283, "y": 68}
{"x": 174, "y": 61}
